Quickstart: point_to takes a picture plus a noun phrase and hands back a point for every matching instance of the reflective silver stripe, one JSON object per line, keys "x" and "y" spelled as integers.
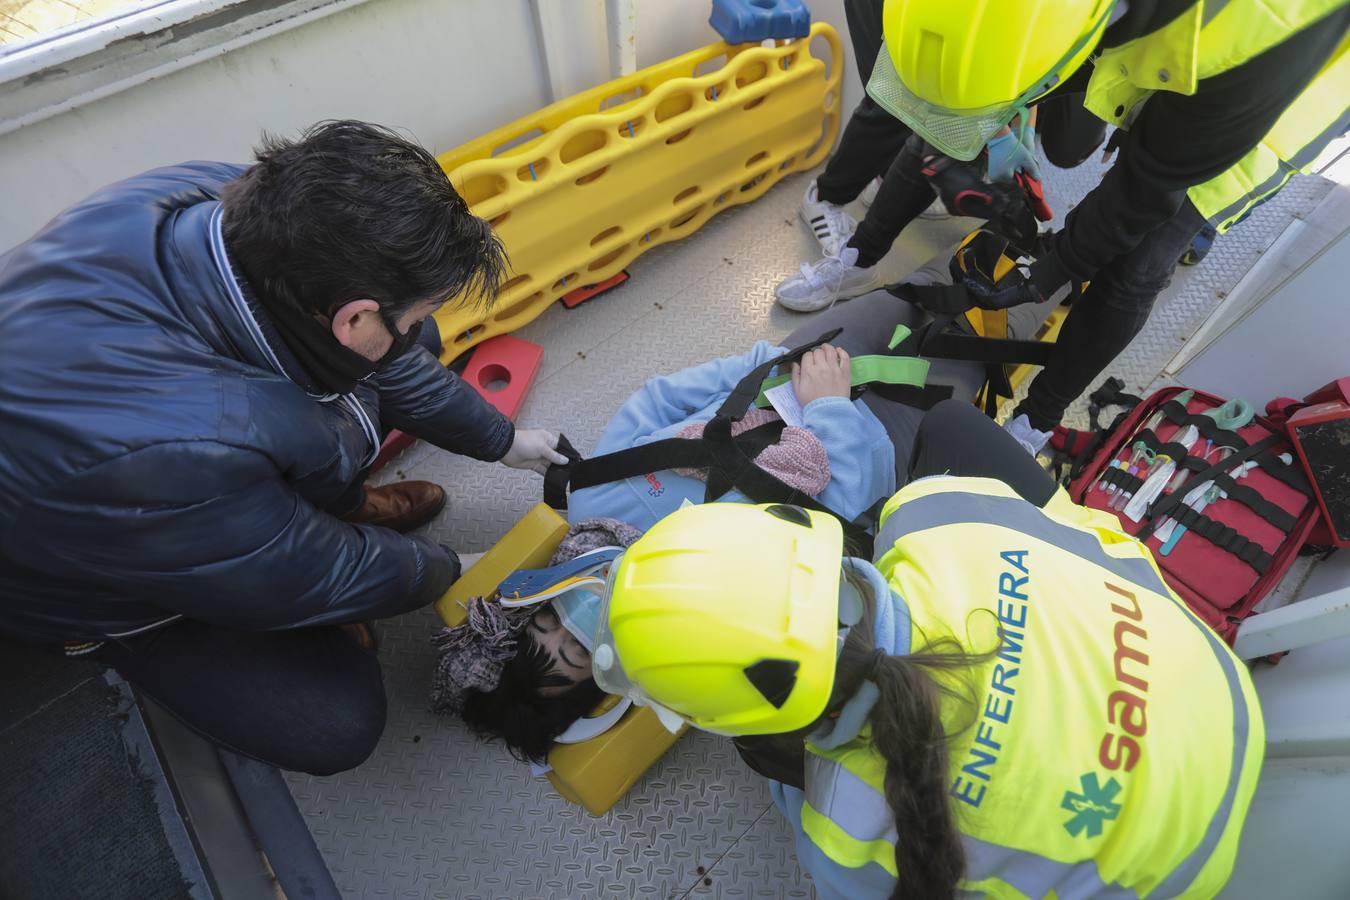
{"x": 848, "y": 801}
{"x": 1285, "y": 169}
{"x": 372, "y": 433}
{"x": 221, "y": 257}
{"x": 1190, "y": 867}
{"x": 153, "y": 625}
{"x": 1035, "y": 875}
{"x": 955, "y": 507}
{"x": 1212, "y": 9}
{"x": 960, "y": 507}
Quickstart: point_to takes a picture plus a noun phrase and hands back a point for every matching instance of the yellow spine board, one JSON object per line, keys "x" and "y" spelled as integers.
{"x": 597, "y": 773}
{"x": 594, "y": 773}
{"x": 577, "y": 203}
{"x": 528, "y": 545}
{"x": 612, "y": 96}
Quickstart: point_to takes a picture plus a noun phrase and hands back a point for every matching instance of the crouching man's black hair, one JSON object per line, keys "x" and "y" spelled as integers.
{"x": 353, "y": 211}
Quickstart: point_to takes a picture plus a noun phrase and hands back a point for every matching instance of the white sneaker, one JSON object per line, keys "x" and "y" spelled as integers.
{"x": 935, "y": 210}
{"x": 1032, "y": 441}
{"x": 826, "y": 280}
{"x": 829, "y": 223}
{"x": 870, "y": 192}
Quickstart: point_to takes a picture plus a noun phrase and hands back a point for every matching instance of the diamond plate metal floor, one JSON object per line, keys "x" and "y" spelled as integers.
{"x": 437, "y": 814}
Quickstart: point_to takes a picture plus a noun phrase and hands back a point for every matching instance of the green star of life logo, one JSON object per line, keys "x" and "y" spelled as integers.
{"x": 1092, "y": 807}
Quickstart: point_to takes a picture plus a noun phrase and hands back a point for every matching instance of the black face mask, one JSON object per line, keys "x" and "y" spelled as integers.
{"x": 402, "y": 340}
{"x": 334, "y": 368}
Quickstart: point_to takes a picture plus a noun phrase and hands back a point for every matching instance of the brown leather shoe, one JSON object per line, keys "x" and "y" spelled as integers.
{"x": 364, "y": 634}
{"x": 402, "y": 506}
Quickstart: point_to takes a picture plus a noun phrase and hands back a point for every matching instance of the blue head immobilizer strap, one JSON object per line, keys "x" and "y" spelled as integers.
{"x": 523, "y": 584}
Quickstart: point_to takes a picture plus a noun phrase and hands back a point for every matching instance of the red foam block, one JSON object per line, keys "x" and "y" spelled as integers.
{"x": 502, "y": 370}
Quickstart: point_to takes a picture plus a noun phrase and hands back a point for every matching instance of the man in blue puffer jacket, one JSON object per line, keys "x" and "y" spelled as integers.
{"x": 199, "y": 363}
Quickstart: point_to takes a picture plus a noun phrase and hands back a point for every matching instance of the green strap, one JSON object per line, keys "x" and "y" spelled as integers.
{"x": 867, "y": 370}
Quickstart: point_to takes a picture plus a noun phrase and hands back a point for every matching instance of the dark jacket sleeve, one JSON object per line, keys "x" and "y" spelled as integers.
{"x": 424, "y": 398}
{"x": 172, "y": 186}
{"x": 1181, "y": 141}
{"x": 213, "y": 533}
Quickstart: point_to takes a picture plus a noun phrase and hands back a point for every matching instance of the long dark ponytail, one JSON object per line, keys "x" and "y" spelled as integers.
{"x": 908, "y": 732}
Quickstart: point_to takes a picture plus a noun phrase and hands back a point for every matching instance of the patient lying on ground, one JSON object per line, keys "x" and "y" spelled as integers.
{"x": 522, "y": 674}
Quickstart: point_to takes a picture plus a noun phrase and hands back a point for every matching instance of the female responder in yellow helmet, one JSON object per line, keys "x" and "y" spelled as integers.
{"x": 1008, "y": 700}
{"x": 1241, "y": 94}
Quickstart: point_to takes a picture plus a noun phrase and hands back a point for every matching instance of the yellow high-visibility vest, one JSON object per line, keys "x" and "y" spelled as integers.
{"x": 1211, "y": 37}
{"x": 1109, "y": 747}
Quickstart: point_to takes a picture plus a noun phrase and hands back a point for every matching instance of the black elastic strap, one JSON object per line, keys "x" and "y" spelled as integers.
{"x": 747, "y": 389}
{"x": 941, "y": 338}
{"x": 1178, "y": 415}
{"x": 1250, "y": 498}
{"x": 730, "y": 461}
{"x": 1235, "y": 490}
{"x": 1242, "y": 493}
{"x": 923, "y": 398}
{"x": 1122, "y": 479}
{"x": 938, "y": 299}
{"x": 1166, "y": 503}
{"x": 1222, "y": 536}
{"x": 1225, "y": 538}
{"x": 730, "y": 467}
{"x": 973, "y": 348}
{"x": 1270, "y": 463}
{"x": 671, "y": 453}
{"x": 1111, "y": 393}
{"x": 1171, "y": 449}
{"x": 557, "y": 476}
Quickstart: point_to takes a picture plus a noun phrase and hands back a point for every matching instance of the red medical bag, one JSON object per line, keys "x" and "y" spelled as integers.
{"x": 1235, "y": 550}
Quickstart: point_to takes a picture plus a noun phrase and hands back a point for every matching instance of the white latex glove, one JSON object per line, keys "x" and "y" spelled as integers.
{"x": 533, "y": 449}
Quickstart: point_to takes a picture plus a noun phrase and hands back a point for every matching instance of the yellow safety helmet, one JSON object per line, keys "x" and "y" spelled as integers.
{"x": 727, "y": 615}
{"x": 957, "y": 71}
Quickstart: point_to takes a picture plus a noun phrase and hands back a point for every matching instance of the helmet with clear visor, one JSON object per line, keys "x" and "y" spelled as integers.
{"x": 957, "y": 71}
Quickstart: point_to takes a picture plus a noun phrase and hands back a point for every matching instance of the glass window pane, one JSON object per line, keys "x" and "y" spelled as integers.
{"x": 24, "y": 20}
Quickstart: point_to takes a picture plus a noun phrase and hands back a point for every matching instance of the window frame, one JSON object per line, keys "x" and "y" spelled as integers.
{"x": 66, "y": 69}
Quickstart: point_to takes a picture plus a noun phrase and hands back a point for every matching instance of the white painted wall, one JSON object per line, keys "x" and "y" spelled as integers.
{"x": 1294, "y": 843}
{"x": 445, "y": 71}
{"x": 1295, "y": 337}
{"x": 1289, "y": 340}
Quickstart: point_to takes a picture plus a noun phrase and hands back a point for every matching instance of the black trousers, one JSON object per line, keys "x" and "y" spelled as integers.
{"x": 308, "y": 699}
{"x": 1107, "y": 317}
{"x": 954, "y": 438}
{"x": 872, "y": 137}
{"x": 1069, "y": 135}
